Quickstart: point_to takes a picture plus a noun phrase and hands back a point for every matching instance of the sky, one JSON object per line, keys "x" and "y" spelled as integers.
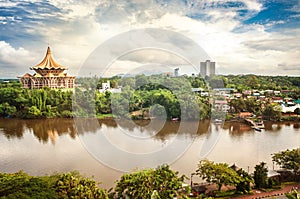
{"x": 242, "y": 37}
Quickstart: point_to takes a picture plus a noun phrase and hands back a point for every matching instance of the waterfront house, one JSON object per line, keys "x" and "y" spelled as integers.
{"x": 221, "y": 105}
{"x": 277, "y": 100}
{"x": 247, "y": 92}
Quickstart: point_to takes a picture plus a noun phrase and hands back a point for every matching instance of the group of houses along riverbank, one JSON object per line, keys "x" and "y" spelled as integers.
{"x": 254, "y": 106}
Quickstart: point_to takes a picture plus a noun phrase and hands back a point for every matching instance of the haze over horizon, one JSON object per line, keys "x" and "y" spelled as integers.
{"x": 242, "y": 37}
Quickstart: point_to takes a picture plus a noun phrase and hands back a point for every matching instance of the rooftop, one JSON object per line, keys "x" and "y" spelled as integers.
{"x": 48, "y": 62}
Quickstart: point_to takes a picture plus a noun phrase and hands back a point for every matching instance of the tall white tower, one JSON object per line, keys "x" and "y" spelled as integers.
{"x": 207, "y": 68}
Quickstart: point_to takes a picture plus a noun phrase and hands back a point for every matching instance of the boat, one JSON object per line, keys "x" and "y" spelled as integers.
{"x": 175, "y": 119}
{"x": 256, "y": 128}
{"x": 218, "y": 121}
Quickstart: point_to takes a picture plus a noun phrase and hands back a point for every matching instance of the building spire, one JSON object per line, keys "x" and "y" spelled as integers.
{"x": 48, "y": 50}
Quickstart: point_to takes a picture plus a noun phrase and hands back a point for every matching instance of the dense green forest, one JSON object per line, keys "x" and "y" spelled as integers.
{"x": 35, "y": 103}
{"x": 160, "y": 95}
{"x": 244, "y": 82}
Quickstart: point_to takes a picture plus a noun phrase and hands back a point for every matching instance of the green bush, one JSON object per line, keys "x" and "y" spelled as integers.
{"x": 72, "y": 185}
{"x": 293, "y": 195}
{"x": 62, "y": 186}
{"x": 21, "y": 185}
{"x": 161, "y": 182}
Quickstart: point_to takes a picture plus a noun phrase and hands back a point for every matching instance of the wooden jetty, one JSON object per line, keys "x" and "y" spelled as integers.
{"x": 254, "y": 125}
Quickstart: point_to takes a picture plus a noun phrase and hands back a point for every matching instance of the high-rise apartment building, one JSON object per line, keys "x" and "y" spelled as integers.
{"x": 207, "y": 68}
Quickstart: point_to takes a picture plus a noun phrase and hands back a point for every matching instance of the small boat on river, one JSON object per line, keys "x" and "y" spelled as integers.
{"x": 256, "y": 128}
{"x": 218, "y": 121}
{"x": 175, "y": 119}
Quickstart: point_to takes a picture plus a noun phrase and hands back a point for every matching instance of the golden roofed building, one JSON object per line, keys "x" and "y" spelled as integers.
{"x": 48, "y": 74}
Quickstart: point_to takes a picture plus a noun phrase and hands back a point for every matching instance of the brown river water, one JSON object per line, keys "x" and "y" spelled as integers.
{"x": 107, "y": 148}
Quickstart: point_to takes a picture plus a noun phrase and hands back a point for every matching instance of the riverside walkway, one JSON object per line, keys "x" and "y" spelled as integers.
{"x": 276, "y": 194}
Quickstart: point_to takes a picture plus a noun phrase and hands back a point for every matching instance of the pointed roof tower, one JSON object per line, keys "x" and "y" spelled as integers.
{"x": 48, "y": 63}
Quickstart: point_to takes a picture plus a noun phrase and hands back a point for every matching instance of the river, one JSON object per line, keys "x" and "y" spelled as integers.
{"x": 107, "y": 148}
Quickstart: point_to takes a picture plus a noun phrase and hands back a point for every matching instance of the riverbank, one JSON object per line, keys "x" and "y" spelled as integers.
{"x": 105, "y": 116}
{"x": 238, "y": 118}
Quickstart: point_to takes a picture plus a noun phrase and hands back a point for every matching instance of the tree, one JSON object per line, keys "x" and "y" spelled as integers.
{"x": 141, "y": 81}
{"x": 34, "y": 112}
{"x": 7, "y": 110}
{"x": 261, "y": 176}
{"x": 297, "y": 111}
{"x": 253, "y": 106}
{"x": 21, "y": 185}
{"x": 288, "y": 159}
{"x": 72, "y": 185}
{"x": 190, "y": 110}
{"x": 252, "y": 82}
{"x": 216, "y": 82}
{"x": 219, "y": 173}
{"x": 272, "y": 111}
{"x": 237, "y": 105}
{"x": 244, "y": 185}
{"x": 62, "y": 186}
{"x": 120, "y": 105}
{"x": 158, "y": 111}
{"x": 161, "y": 182}
{"x": 294, "y": 194}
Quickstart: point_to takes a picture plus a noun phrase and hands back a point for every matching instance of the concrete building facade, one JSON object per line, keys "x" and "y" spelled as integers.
{"x": 207, "y": 68}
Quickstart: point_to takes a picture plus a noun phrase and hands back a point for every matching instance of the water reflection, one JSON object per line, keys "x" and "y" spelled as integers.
{"x": 48, "y": 129}
{"x": 12, "y": 127}
{"x": 42, "y": 129}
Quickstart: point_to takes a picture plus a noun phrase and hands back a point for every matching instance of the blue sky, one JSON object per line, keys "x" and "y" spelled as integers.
{"x": 250, "y": 36}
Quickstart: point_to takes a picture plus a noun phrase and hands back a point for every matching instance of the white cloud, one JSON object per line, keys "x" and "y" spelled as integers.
{"x": 86, "y": 24}
{"x": 253, "y": 5}
{"x": 296, "y": 7}
{"x": 9, "y": 54}
{"x": 13, "y": 60}
{"x": 8, "y": 4}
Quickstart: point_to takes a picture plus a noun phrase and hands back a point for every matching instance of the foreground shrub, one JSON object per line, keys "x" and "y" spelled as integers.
{"x": 161, "y": 182}
{"x": 60, "y": 186}
{"x": 72, "y": 185}
{"x": 21, "y": 185}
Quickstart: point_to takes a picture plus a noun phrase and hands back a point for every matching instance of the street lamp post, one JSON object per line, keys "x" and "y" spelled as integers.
{"x": 192, "y": 174}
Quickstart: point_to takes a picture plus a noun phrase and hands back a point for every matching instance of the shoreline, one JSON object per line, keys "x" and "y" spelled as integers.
{"x": 111, "y": 116}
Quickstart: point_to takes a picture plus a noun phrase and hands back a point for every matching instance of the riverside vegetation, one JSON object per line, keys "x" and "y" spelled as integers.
{"x": 161, "y": 182}
{"x": 156, "y": 94}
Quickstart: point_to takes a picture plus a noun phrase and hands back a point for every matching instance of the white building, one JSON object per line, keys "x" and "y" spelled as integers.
{"x": 207, "y": 68}
{"x": 106, "y": 87}
{"x": 286, "y": 109}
